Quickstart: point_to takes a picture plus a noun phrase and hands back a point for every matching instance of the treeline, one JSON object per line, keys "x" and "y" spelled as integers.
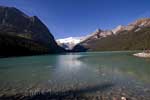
{"x": 17, "y": 46}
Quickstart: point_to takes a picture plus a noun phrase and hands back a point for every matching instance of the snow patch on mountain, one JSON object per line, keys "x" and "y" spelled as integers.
{"x": 74, "y": 40}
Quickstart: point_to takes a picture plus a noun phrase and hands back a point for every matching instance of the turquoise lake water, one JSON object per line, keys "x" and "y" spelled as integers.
{"x": 75, "y": 71}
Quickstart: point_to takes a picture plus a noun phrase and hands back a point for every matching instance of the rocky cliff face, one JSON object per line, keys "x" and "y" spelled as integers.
{"x": 120, "y": 38}
{"x": 137, "y": 25}
{"x": 98, "y": 34}
{"x": 16, "y": 24}
{"x": 144, "y": 22}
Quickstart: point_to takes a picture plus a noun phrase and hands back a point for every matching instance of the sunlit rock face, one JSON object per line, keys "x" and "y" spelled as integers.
{"x": 25, "y": 34}
{"x": 145, "y": 22}
{"x": 98, "y": 34}
{"x": 137, "y": 25}
{"x": 121, "y": 28}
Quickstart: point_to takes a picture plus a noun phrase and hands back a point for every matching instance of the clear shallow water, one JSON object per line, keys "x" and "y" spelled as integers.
{"x": 118, "y": 71}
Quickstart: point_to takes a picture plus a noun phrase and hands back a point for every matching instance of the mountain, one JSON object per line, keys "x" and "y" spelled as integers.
{"x": 137, "y": 25}
{"x": 135, "y": 36}
{"x": 69, "y": 43}
{"x": 21, "y": 34}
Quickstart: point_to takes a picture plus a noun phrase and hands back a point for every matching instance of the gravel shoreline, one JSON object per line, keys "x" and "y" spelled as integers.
{"x": 103, "y": 92}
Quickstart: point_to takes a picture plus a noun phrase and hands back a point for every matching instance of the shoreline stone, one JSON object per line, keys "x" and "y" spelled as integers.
{"x": 142, "y": 55}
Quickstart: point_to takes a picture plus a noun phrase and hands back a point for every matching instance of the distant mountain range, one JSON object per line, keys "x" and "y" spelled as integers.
{"x": 21, "y": 34}
{"x": 69, "y": 43}
{"x": 135, "y": 36}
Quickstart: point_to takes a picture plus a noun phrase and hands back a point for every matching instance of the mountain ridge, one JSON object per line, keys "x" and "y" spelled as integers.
{"x": 105, "y": 36}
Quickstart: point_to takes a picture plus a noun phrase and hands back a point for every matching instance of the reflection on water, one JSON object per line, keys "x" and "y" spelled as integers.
{"x": 75, "y": 71}
{"x": 70, "y": 62}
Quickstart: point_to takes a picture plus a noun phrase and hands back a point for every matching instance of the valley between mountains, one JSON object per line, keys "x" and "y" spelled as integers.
{"x": 21, "y": 35}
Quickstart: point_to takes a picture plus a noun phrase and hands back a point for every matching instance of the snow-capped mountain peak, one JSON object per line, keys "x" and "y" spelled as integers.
{"x": 70, "y": 42}
{"x": 74, "y": 40}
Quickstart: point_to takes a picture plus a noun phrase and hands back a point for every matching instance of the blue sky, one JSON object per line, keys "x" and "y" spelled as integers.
{"x": 66, "y": 18}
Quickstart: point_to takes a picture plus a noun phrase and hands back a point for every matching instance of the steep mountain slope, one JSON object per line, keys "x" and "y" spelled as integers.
{"x": 19, "y": 33}
{"x": 135, "y": 36}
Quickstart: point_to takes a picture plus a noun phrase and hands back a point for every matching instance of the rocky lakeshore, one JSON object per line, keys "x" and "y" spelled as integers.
{"x": 105, "y": 91}
{"x": 74, "y": 95}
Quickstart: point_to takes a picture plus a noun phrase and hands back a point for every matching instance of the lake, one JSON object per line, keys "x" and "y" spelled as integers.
{"x": 110, "y": 74}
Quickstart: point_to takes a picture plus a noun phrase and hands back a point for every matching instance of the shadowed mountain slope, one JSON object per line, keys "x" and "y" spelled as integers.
{"x": 21, "y": 34}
